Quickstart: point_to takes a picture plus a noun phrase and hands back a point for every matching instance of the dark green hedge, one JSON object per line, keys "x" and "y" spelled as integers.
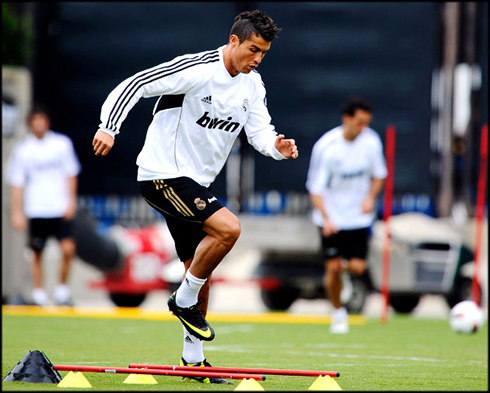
{"x": 17, "y": 36}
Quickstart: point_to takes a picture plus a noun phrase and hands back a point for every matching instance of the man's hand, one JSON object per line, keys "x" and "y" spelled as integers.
{"x": 329, "y": 228}
{"x": 102, "y": 143}
{"x": 368, "y": 205}
{"x": 19, "y": 221}
{"x": 287, "y": 147}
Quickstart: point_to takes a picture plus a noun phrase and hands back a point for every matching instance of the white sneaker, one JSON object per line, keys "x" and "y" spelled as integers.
{"x": 340, "y": 323}
{"x": 62, "y": 295}
{"x": 39, "y": 297}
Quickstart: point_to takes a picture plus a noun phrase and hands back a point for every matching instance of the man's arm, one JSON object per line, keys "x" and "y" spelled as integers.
{"x": 369, "y": 202}
{"x": 261, "y": 133}
{"x": 72, "y": 201}
{"x": 151, "y": 82}
{"x": 19, "y": 221}
{"x": 318, "y": 174}
{"x": 329, "y": 228}
{"x": 378, "y": 175}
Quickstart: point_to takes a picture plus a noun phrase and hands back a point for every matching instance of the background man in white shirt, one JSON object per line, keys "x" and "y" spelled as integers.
{"x": 206, "y": 100}
{"x": 346, "y": 173}
{"x": 42, "y": 172}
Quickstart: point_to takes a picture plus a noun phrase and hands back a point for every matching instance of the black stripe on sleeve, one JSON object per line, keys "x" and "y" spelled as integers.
{"x": 154, "y": 74}
{"x": 143, "y": 82}
{"x": 118, "y": 101}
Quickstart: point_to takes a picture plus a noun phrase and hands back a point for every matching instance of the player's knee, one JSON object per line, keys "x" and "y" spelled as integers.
{"x": 357, "y": 267}
{"x": 224, "y": 226}
{"x": 68, "y": 247}
{"x": 233, "y": 231}
{"x": 334, "y": 267}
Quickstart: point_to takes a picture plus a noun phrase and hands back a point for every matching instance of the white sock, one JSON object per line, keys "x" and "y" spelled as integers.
{"x": 189, "y": 289}
{"x": 193, "y": 348}
{"x": 39, "y": 296}
{"x": 340, "y": 313}
{"x": 62, "y": 293}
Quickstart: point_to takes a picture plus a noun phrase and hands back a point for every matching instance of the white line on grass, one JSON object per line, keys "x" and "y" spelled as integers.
{"x": 223, "y": 348}
{"x": 403, "y": 358}
{"x": 235, "y": 329}
{"x": 335, "y": 345}
{"x": 252, "y": 348}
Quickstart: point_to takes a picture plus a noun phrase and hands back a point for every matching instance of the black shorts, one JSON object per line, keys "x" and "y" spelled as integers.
{"x": 185, "y": 204}
{"x": 40, "y": 229}
{"x": 346, "y": 244}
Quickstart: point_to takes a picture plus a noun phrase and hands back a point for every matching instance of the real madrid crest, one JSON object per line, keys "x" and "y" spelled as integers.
{"x": 245, "y": 105}
{"x": 200, "y": 204}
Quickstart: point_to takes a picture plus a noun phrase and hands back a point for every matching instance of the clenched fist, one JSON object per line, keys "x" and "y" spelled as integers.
{"x": 287, "y": 147}
{"x": 102, "y": 143}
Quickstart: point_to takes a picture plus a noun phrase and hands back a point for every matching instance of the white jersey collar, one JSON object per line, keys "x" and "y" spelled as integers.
{"x": 33, "y": 138}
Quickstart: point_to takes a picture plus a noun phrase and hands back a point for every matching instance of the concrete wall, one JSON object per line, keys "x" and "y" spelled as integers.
{"x": 17, "y": 89}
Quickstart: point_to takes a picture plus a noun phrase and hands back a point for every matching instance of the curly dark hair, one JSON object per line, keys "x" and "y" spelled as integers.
{"x": 254, "y": 22}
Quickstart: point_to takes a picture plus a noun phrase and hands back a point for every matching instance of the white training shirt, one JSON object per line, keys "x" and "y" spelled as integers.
{"x": 341, "y": 172}
{"x": 200, "y": 112}
{"x": 42, "y": 168}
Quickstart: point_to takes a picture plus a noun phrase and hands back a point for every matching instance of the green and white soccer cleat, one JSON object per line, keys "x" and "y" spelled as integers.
{"x": 192, "y": 320}
{"x": 204, "y": 363}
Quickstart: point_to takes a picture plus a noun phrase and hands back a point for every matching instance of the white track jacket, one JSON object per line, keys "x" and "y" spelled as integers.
{"x": 200, "y": 112}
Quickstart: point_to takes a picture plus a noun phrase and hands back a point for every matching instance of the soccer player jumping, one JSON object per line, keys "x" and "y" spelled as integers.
{"x": 205, "y": 100}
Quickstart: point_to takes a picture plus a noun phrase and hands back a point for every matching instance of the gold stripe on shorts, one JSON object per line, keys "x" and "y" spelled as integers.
{"x": 160, "y": 186}
{"x": 180, "y": 200}
{"x": 174, "y": 199}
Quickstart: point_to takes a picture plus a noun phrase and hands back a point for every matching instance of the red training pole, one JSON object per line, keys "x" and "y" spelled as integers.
{"x": 480, "y": 211}
{"x": 388, "y": 198}
{"x": 177, "y": 373}
{"x": 305, "y": 373}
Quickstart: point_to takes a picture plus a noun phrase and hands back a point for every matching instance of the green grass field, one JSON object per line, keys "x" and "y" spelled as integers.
{"x": 406, "y": 354}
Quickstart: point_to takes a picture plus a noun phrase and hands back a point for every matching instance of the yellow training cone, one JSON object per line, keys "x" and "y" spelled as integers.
{"x": 142, "y": 379}
{"x": 74, "y": 379}
{"x": 325, "y": 383}
{"x": 249, "y": 384}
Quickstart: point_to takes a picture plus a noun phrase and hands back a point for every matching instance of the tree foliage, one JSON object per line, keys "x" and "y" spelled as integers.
{"x": 17, "y": 34}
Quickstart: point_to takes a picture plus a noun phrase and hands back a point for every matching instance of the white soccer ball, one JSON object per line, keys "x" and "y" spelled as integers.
{"x": 466, "y": 317}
